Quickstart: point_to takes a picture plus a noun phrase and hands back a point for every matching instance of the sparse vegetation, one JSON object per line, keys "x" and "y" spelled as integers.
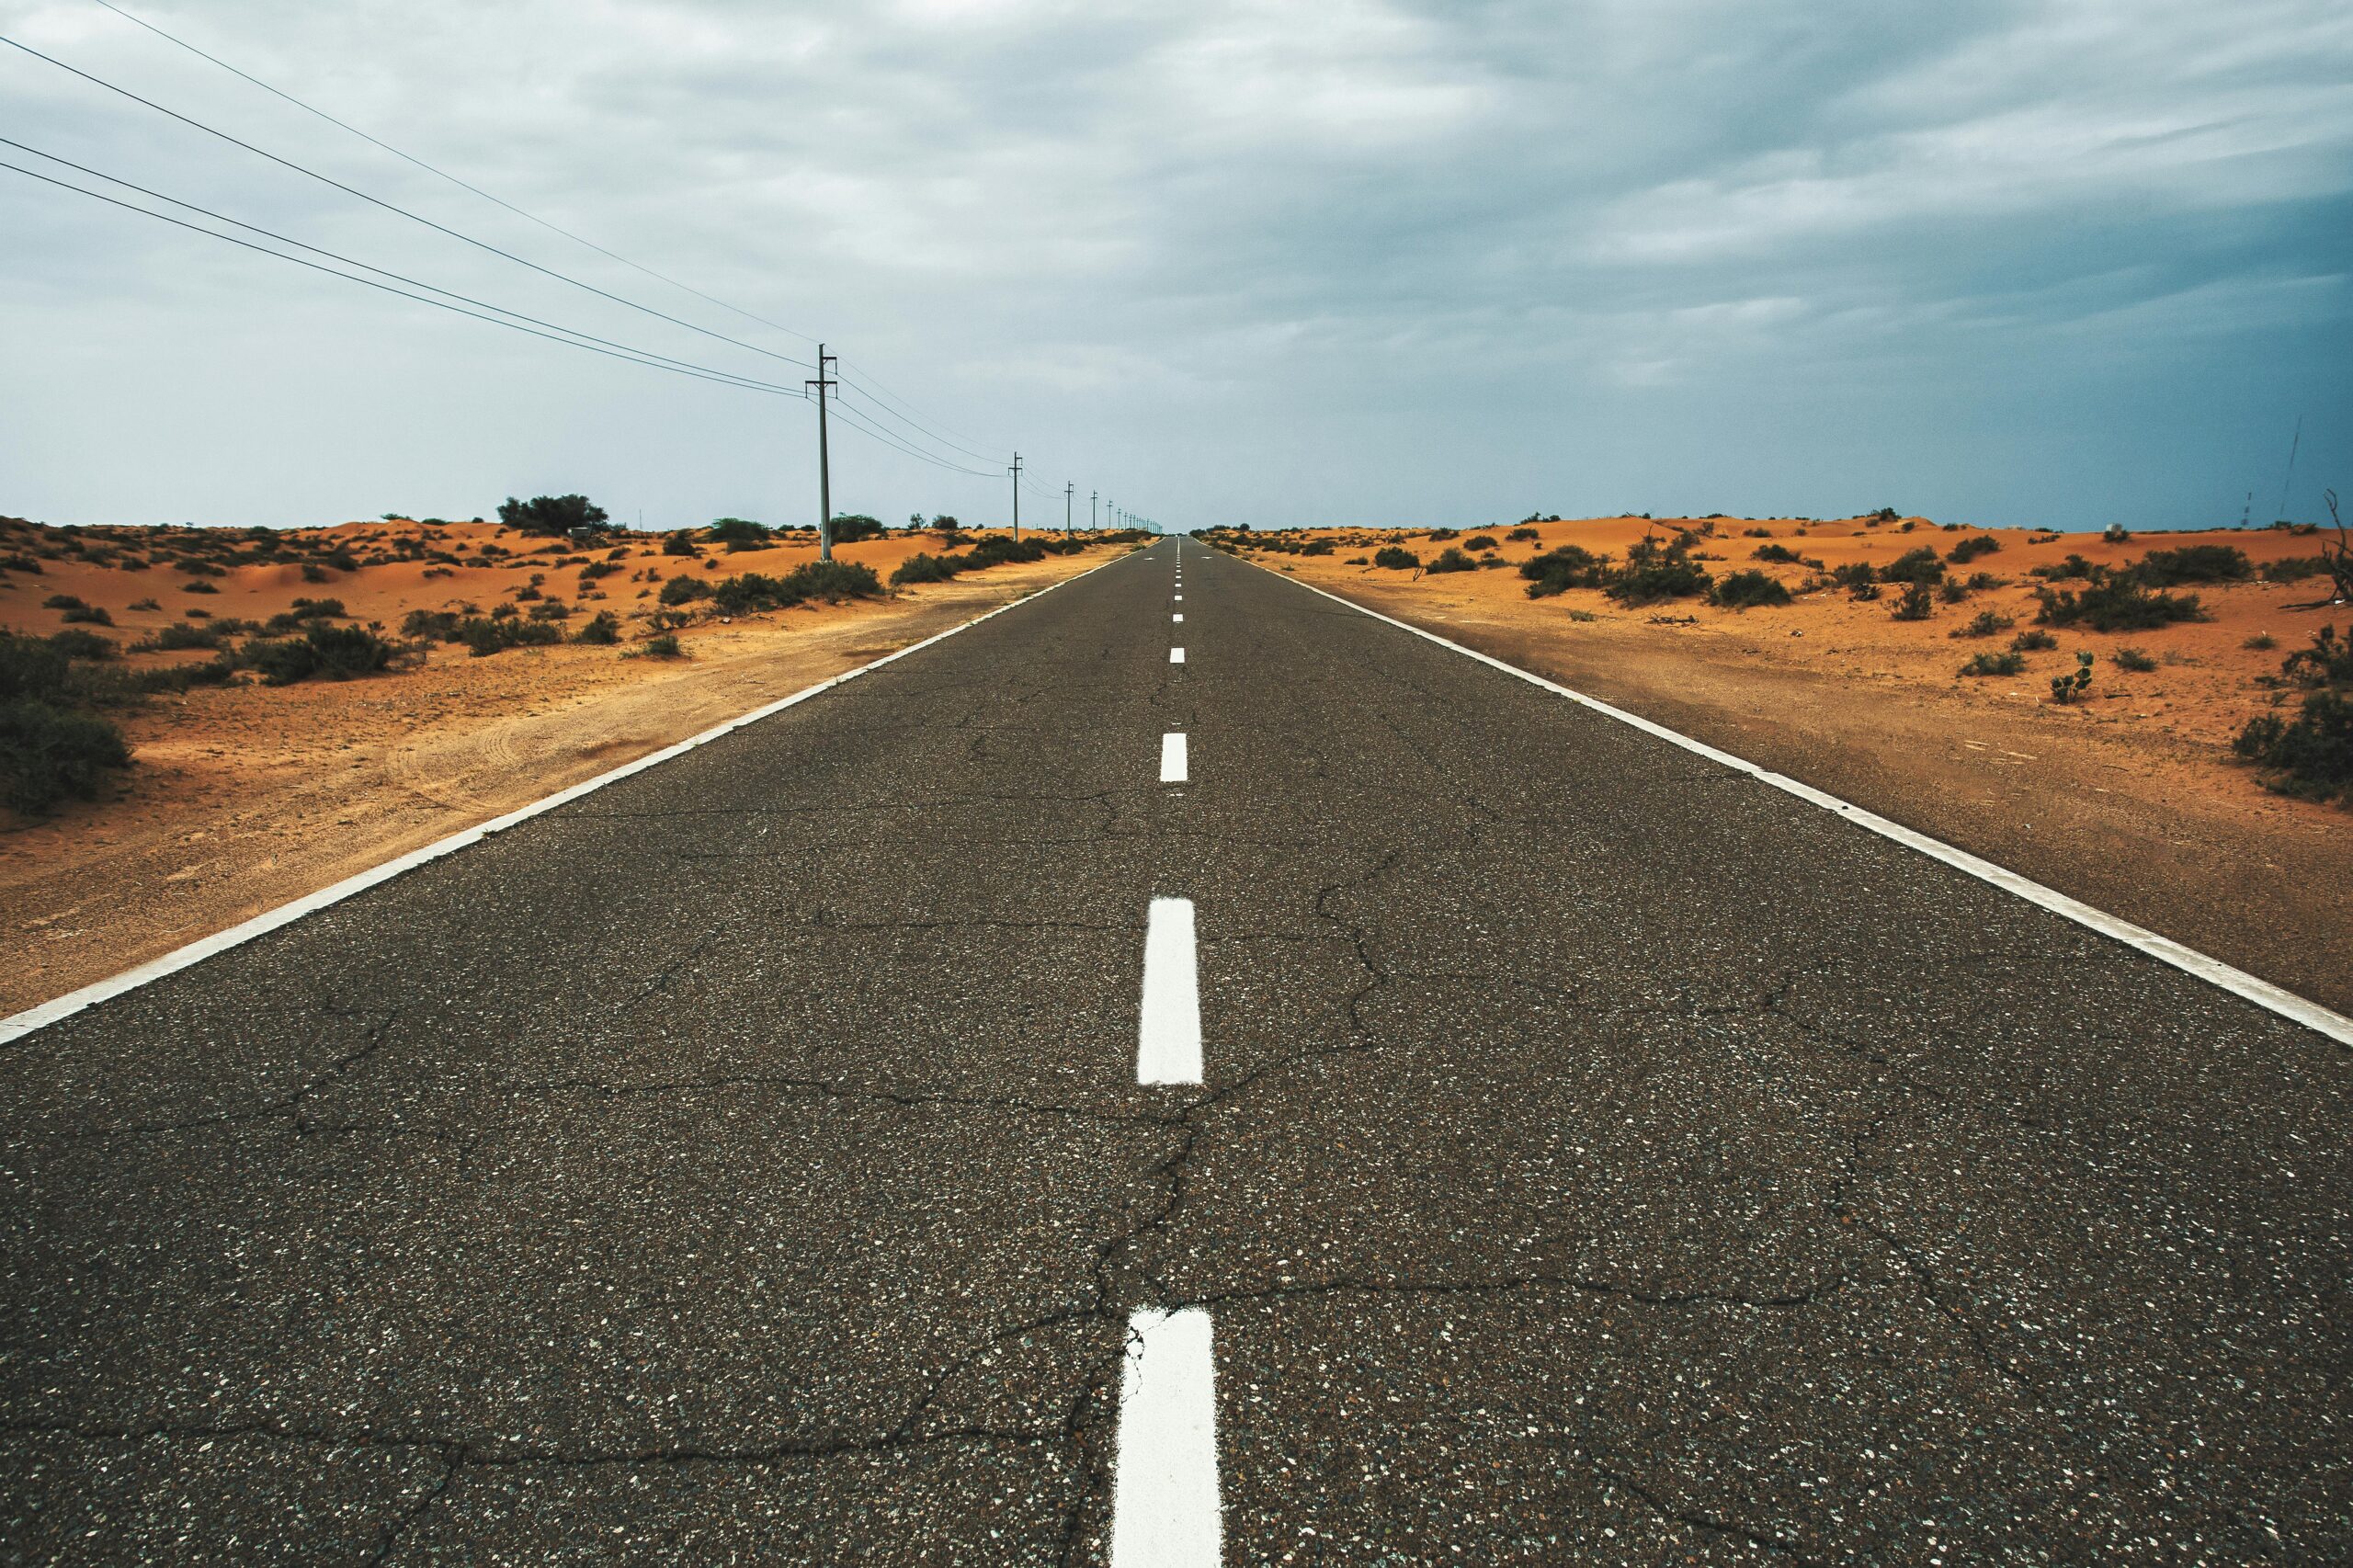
{"x": 1655, "y": 572}
{"x": 1995, "y": 664}
{"x": 1452, "y": 558}
{"x": 2115, "y": 601}
{"x": 558, "y": 514}
{"x": 1916, "y": 604}
{"x": 1781, "y": 553}
{"x": 2193, "y": 563}
{"x": 1987, "y": 624}
{"x": 51, "y": 745}
{"x": 2133, "y": 659}
{"x": 2310, "y": 755}
{"x": 2068, "y": 687}
{"x": 1396, "y": 558}
{"x": 1748, "y": 590}
{"x": 2029, "y": 642}
{"x": 1524, "y": 536}
{"x": 1970, "y": 548}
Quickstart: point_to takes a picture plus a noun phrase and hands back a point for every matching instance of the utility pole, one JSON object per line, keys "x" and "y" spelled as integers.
{"x": 1069, "y": 489}
{"x": 1017, "y": 497}
{"x": 824, "y": 463}
{"x": 1090, "y": 511}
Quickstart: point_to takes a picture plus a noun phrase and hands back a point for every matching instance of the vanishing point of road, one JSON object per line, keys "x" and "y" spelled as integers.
{"x": 1255, "y": 1087}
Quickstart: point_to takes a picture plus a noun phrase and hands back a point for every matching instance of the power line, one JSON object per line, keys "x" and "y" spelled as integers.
{"x": 721, "y": 377}
{"x": 444, "y": 174}
{"x": 906, "y": 411}
{"x": 353, "y": 261}
{"x": 403, "y": 211}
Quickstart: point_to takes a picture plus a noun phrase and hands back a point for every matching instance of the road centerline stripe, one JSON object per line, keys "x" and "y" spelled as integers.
{"x": 1176, "y": 655}
{"x": 1164, "y": 1509}
{"x": 1168, "y": 1031}
{"x": 1173, "y": 758}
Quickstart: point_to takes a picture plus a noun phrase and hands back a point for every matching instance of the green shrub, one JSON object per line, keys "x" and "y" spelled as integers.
{"x": 684, "y": 590}
{"x": 2075, "y": 568}
{"x": 1856, "y": 575}
{"x": 923, "y": 567}
{"x": 604, "y": 630}
{"x": 663, "y": 645}
{"x": 1950, "y": 592}
{"x": 1917, "y": 566}
{"x": 1778, "y": 553}
{"x": 483, "y": 638}
{"x": 2067, "y": 688}
{"x": 2261, "y": 640}
{"x": 1396, "y": 558}
{"x": 2133, "y": 659}
{"x": 2295, "y": 568}
{"x": 1916, "y": 604}
{"x": 1452, "y": 558}
{"x": 2194, "y": 564}
{"x": 1557, "y": 571}
{"x": 198, "y": 586}
{"x": 47, "y": 754}
{"x": 1655, "y": 572}
{"x": 1524, "y": 536}
{"x": 327, "y": 652}
{"x": 2115, "y": 602}
{"x": 555, "y": 515}
{"x": 1970, "y": 548}
{"x": 2311, "y": 754}
{"x": 850, "y": 527}
{"x": 75, "y": 643}
{"x": 678, "y": 541}
{"x": 1995, "y": 664}
{"x": 2027, "y": 642}
{"x": 431, "y": 625}
{"x": 1987, "y": 624}
{"x": 1479, "y": 541}
{"x": 1745, "y": 590}
{"x": 725, "y": 530}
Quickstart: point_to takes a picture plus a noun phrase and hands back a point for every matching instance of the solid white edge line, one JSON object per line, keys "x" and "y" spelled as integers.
{"x": 1173, "y": 760}
{"x": 2165, "y": 950}
{"x": 1168, "y": 1022}
{"x": 1165, "y": 1507}
{"x": 40, "y": 1017}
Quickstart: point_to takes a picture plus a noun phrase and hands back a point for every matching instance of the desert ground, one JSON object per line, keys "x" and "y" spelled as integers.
{"x": 2128, "y": 797}
{"x": 244, "y": 796}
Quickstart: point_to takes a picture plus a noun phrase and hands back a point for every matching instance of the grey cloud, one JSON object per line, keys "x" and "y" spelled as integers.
{"x": 2002, "y": 262}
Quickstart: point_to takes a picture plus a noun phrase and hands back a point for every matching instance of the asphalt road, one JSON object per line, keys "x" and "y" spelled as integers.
{"x": 1599, "y": 1158}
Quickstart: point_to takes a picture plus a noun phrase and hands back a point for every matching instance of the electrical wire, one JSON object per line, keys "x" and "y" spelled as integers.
{"x": 721, "y": 377}
{"x": 876, "y": 393}
{"x": 403, "y": 211}
{"x": 444, "y": 174}
{"x": 379, "y": 271}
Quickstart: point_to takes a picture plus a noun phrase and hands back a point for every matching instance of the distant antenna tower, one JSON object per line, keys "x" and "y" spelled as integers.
{"x": 2288, "y": 478}
{"x": 2247, "y": 511}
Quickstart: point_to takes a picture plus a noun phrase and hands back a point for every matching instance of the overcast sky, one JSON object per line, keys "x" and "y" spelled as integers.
{"x": 2053, "y": 261}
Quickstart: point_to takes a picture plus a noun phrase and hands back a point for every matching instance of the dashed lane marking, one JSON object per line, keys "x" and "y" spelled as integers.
{"x": 1176, "y": 655}
{"x": 1171, "y": 758}
{"x": 1165, "y": 1508}
{"x": 1168, "y": 1034}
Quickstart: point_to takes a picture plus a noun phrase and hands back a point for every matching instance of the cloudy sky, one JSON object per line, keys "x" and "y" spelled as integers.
{"x": 2045, "y": 261}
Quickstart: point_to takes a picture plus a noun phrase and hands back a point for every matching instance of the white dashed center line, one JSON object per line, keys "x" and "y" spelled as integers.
{"x": 1171, "y": 758}
{"x": 1176, "y": 655}
{"x": 1165, "y": 1511}
{"x": 1178, "y": 616}
{"x": 1169, "y": 1037}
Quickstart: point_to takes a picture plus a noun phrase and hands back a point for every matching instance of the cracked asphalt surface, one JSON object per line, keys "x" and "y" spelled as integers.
{"x": 1602, "y": 1158}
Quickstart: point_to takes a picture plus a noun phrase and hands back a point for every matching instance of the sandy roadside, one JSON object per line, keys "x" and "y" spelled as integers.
{"x": 247, "y": 797}
{"x": 2130, "y": 803}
